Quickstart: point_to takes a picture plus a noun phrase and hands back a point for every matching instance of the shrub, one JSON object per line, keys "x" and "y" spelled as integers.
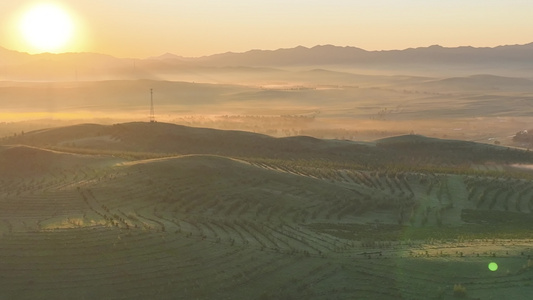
{"x": 459, "y": 290}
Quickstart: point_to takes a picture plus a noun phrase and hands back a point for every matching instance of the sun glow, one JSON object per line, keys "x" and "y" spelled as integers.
{"x": 47, "y": 27}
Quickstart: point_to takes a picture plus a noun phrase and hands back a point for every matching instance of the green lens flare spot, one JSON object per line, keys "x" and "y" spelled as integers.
{"x": 493, "y": 266}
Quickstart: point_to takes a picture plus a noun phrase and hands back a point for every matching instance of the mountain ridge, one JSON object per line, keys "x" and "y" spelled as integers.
{"x": 317, "y": 49}
{"x": 94, "y": 66}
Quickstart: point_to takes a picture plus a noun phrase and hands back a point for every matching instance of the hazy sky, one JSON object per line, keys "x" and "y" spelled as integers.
{"x": 142, "y": 28}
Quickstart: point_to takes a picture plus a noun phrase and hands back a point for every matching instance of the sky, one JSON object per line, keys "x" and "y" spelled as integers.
{"x": 144, "y": 28}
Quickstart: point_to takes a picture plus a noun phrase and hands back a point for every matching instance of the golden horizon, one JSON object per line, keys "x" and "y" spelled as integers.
{"x": 143, "y": 29}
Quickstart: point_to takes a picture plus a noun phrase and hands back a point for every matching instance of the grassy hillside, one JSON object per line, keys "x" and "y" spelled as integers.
{"x": 163, "y": 139}
{"x": 27, "y": 161}
{"x": 154, "y": 210}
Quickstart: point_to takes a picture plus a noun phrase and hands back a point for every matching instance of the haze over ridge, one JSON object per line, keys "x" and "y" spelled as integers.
{"x": 4, "y": 51}
{"x": 21, "y": 66}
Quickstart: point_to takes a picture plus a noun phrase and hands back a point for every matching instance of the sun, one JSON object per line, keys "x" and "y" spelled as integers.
{"x": 46, "y": 27}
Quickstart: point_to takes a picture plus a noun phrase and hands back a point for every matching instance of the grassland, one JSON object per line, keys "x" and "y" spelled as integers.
{"x": 155, "y": 210}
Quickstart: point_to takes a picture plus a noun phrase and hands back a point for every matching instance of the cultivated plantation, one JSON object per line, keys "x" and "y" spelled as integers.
{"x": 161, "y": 211}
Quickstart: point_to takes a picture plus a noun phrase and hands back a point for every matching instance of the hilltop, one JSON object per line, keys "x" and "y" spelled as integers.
{"x": 163, "y": 139}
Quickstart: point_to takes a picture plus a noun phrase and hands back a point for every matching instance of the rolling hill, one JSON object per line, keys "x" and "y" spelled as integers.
{"x": 160, "y": 139}
{"x": 25, "y": 161}
{"x": 155, "y": 210}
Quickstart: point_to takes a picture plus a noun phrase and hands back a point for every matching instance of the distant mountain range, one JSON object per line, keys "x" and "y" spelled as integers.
{"x": 334, "y": 55}
{"x": 17, "y": 65}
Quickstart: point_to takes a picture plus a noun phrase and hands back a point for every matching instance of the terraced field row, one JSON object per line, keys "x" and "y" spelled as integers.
{"x": 413, "y": 198}
{"x": 514, "y": 195}
{"x": 114, "y": 263}
{"x": 204, "y": 227}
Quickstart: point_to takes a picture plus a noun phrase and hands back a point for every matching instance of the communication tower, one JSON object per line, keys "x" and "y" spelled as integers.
{"x": 152, "y": 114}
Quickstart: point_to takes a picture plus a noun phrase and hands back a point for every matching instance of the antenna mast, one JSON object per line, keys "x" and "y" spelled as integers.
{"x": 152, "y": 114}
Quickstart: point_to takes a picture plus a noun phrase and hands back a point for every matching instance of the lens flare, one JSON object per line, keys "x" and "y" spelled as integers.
{"x": 493, "y": 266}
